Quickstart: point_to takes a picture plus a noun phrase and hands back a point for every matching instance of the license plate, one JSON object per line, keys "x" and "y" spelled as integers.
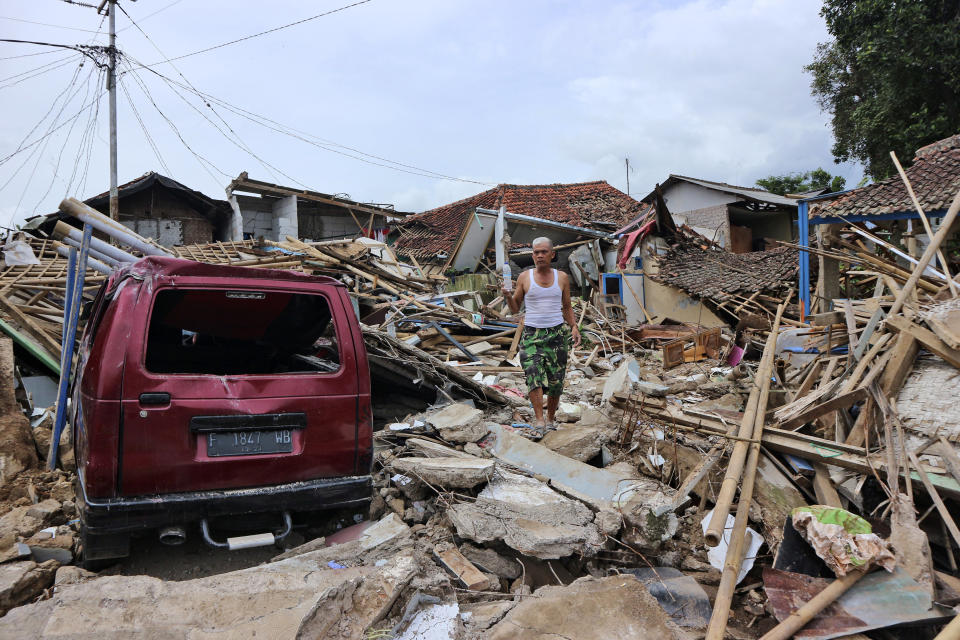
{"x": 248, "y": 443}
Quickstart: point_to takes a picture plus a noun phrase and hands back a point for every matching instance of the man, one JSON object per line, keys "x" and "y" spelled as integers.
{"x": 543, "y": 352}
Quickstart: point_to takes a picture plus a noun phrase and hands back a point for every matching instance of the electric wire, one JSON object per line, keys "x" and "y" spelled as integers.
{"x": 150, "y": 15}
{"x": 66, "y": 140}
{"x": 28, "y": 55}
{"x": 146, "y": 133}
{"x": 45, "y": 24}
{"x": 86, "y": 143}
{"x": 42, "y": 68}
{"x": 39, "y": 150}
{"x": 233, "y": 137}
{"x": 262, "y": 33}
{"x": 314, "y": 140}
{"x": 203, "y": 162}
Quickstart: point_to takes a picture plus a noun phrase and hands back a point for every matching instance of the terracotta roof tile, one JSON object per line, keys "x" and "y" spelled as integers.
{"x": 716, "y": 274}
{"x": 934, "y": 174}
{"x": 585, "y": 204}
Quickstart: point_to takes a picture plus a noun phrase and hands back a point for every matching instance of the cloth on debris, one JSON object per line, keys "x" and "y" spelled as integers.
{"x": 843, "y": 540}
{"x": 18, "y": 252}
{"x": 543, "y": 357}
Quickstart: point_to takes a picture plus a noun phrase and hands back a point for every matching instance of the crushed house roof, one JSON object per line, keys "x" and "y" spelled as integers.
{"x": 591, "y": 205}
{"x": 718, "y": 274}
{"x": 751, "y": 194}
{"x": 934, "y": 175}
{"x": 217, "y": 211}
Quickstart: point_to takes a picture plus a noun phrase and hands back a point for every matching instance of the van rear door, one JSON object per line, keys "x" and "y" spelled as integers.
{"x": 238, "y": 384}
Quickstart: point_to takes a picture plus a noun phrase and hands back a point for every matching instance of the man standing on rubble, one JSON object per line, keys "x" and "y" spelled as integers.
{"x": 549, "y": 324}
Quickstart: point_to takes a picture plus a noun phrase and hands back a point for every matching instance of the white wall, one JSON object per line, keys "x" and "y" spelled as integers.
{"x": 285, "y": 218}
{"x": 684, "y": 196}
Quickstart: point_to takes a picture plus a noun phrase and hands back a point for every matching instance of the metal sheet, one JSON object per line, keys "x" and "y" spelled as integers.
{"x": 878, "y": 600}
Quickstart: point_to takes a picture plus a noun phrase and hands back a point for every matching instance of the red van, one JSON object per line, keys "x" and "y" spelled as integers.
{"x": 210, "y": 393}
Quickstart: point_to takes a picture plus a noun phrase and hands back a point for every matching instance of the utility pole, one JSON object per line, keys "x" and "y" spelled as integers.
{"x": 112, "y": 88}
{"x": 627, "y": 161}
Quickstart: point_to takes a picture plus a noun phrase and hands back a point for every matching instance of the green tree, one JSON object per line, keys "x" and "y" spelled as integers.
{"x": 799, "y": 182}
{"x": 890, "y": 78}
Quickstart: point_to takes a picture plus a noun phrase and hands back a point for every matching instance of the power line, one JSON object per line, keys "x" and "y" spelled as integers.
{"x": 45, "y": 24}
{"x": 148, "y": 16}
{"x": 44, "y": 68}
{"x": 314, "y": 140}
{"x": 146, "y": 133}
{"x": 236, "y": 140}
{"x": 261, "y": 33}
{"x": 28, "y": 55}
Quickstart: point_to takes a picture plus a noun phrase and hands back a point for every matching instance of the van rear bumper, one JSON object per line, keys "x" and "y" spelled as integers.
{"x": 120, "y": 515}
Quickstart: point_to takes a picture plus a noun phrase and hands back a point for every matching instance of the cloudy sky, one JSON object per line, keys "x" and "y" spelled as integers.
{"x": 527, "y": 92}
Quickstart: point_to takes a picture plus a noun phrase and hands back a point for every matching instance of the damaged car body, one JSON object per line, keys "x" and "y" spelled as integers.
{"x": 209, "y": 392}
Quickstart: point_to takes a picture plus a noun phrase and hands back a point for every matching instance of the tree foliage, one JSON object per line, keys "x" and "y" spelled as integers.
{"x": 890, "y": 78}
{"x": 800, "y": 182}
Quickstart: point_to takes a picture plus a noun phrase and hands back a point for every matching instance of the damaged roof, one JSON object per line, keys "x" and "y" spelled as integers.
{"x": 591, "y": 205}
{"x": 717, "y": 274}
{"x": 934, "y": 175}
{"x": 746, "y": 193}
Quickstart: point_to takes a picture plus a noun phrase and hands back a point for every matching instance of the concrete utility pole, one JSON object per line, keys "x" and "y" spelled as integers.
{"x": 112, "y": 88}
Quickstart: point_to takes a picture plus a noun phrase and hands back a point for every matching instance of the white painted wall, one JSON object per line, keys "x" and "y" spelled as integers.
{"x": 285, "y": 218}
{"x": 684, "y": 196}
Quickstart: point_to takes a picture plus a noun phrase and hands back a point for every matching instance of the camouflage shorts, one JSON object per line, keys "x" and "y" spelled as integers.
{"x": 543, "y": 356}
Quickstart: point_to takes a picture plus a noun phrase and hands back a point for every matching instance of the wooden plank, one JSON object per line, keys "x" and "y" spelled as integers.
{"x": 946, "y": 325}
{"x": 461, "y": 568}
{"x": 823, "y": 487}
{"x": 29, "y": 326}
{"x": 932, "y": 492}
{"x": 841, "y": 401}
{"x": 926, "y": 337}
{"x": 851, "y": 324}
{"x": 516, "y": 339}
{"x": 949, "y": 456}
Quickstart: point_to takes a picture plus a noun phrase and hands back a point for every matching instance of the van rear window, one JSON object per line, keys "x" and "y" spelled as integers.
{"x": 240, "y": 332}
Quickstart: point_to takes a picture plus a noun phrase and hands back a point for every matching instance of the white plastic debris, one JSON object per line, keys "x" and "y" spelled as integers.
{"x": 718, "y": 554}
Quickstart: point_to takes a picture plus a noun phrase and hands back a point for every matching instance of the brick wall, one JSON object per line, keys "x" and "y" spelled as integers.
{"x": 715, "y": 218}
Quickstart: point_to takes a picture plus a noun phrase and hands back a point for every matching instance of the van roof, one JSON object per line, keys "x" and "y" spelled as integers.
{"x": 159, "y": 266}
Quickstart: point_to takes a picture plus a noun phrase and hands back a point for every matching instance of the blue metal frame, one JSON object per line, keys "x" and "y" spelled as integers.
{"x": 76, "y": 273}
{"x": 803, "y": 231}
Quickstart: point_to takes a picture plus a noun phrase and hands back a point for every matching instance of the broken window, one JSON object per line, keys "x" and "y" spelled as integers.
{"x": 240, "y": 332}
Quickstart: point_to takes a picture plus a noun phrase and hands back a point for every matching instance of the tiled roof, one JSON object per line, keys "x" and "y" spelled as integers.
{"x": 716, "y": 274}
{"x": 594, "y": 205}
{"x": 934, "y": 174}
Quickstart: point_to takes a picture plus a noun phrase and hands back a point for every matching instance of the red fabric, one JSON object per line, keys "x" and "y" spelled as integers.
{"x": 630, "y": 241}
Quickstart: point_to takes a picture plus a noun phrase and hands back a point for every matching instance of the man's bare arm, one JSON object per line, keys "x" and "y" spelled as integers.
{"x": 515, "y": 298}
{"x": 567, "y": 307}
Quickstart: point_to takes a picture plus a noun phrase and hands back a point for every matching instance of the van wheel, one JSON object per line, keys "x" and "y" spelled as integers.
{"x": 100, "y": 551}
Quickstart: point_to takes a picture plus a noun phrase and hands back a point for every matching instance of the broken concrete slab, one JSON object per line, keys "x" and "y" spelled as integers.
{"x": 449, "y": 473}
{"x": 429, "y": 449}
{"x": 528, "y": 516}
{"x": 589, "y": 609}
{"x": 354, "y": 544}
{"x": 576, "y": 441}
{"x": 569, "y": 412}
{"x": 288, "y": 599}
{"x": 492, "y": 562}
{"x": 458, "y": 422}
{"x": 21, "y": 582}
{"x": 681, "y": 596}
{"x": 646, "y": 504}
{"x": 480, "y": 616}
{"x": 434, "y": 622}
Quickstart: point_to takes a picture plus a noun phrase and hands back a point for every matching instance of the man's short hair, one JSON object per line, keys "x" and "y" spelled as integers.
{"x": 542, "y": 240}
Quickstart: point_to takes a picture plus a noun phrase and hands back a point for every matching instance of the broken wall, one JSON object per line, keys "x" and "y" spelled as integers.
{"x": 662, "y": 300}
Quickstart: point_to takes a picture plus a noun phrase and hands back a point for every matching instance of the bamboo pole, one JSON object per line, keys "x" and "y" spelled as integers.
{"x": 738, "y": 457}
{"x": 932, "y": 248}
{"x": 734, "y": 558}
{"x": 926, "y": 223}
{"x": 799, "y": 618}
{"x": 951, "y": 631}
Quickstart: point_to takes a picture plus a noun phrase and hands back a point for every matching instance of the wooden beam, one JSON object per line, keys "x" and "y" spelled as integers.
{"x": 823, "y": 487}
{"x": 926, "y": 337}
{"x": 841, "y": 401}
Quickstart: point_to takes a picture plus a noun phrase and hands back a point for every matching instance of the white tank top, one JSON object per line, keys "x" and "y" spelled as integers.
{"x": 544, "y": 304}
